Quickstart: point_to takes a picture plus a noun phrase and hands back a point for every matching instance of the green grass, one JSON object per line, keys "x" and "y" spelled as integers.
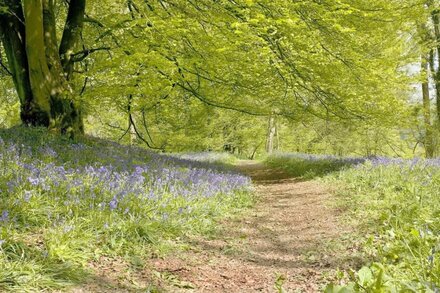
{"x": 308, "y": 166}
{"x": 397, "y": 207}
{"x": 65, "y": 203}
{"x": 393, "y": 206}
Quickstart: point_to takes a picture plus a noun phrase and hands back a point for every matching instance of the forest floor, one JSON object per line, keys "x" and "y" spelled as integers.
{"x": 292, "y": 239}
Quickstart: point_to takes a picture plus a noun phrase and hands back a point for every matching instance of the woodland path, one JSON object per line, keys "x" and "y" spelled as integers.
{"x": 290, "y": 234}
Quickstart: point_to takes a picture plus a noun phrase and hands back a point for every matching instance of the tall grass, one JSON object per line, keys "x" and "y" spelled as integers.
{"x": 397, "y": 204}
{"x": 394, "y": 204}
{"x": 65, "y": 203}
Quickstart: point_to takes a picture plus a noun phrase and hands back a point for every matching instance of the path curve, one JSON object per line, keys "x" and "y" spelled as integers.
{"x": 286, "y": 237}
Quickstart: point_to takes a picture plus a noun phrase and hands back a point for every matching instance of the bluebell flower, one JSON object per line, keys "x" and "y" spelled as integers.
{"x": 34, "y": 181}
{"x": 113, "y": 204}
{"x": 27, "y": 195}
{"x": 5, "y": 216}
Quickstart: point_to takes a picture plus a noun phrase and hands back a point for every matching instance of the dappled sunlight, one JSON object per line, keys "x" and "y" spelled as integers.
{"x": 78, "y": 197}
{"x": 220, "y": 146}
{"x": 291, "y": 232}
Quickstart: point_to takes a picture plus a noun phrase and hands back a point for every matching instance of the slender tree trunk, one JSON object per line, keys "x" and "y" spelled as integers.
{"x": 131, "y": 129}
{"x": 254, "y": 151}
{"x": 271, "y": 132}
{"x": 436, "y": 75}
{"x": 71, "y": 34}
{"x": 429, "y": 143}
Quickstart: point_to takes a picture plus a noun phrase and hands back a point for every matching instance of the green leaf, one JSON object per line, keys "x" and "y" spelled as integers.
{"x": 332, "y": 288}
{"x": 365, "y": 275}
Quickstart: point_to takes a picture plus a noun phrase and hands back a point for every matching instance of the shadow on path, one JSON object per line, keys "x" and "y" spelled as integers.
{"x": 290, "y": 232}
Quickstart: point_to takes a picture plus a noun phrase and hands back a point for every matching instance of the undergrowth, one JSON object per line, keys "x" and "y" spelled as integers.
{"x": 66, "y": 203}
{"x": 309, "y": 166}
{"x": 395, "y": 206}
{"x": 221, "y": 159}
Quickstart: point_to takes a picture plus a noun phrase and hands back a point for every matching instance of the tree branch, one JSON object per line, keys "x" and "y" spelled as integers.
{"x": 71, "y": 33}
{"x": 80, "y": 56}
{"x": 4, "y": 66}
{"x": 131, "y": 122}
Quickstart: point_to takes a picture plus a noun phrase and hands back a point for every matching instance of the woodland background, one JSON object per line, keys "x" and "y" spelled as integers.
{"x": 338, "y": 77}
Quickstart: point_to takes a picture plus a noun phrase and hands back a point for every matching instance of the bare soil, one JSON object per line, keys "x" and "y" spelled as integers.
{"x": 291, "y": 239}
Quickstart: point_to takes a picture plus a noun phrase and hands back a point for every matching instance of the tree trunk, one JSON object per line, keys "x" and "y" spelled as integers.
{"x": 64, "y": 112}
{"x": 29, "y": 37}
{"x": 429, "y": 145}
{"x": 12, "y": 31}
{"x": 277, "y": 135}
{"x": 271, "y": 132}
{"x": 39, "y": 74}
{"x": 71, "y": 34}
{"x": 436, "y": 75}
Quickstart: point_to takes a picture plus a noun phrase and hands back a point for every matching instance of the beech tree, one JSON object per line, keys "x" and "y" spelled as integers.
{"x": 170, "y": 60}
{"x": 41, "y": 65}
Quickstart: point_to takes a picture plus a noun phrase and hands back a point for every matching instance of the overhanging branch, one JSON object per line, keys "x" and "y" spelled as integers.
{"x": 80, "y": 56}
{"x": 203, "y": 99}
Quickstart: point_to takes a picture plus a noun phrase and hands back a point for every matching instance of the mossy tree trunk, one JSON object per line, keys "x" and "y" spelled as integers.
{"x": 35, "y": 61}
{"x": 13, "y": 38}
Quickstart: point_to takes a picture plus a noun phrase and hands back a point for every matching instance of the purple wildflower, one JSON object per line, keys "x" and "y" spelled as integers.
{"x": 113, "y": 204}
{"x": 5, "y": 216}
{"x": 27, "y": 195}
{"x": 34, "y": 181}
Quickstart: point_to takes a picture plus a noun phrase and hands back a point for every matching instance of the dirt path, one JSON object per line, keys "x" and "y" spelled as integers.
{"x": 291, "y": 236}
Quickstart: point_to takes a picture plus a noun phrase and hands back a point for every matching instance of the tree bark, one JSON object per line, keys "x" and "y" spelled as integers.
{"x": 39, "y": 74}
{"x": 30, "y": 41}
{"x": 436, "y": 75}
{"x": 271, "y": 132}
{"x": 429, "y": 143}
{"x": 12, "y": 31}
{"x": 64, "y": 111}
{"x": 71, "y": 34}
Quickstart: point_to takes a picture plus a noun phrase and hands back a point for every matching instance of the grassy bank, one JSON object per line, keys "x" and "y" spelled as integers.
{"x": 310, "y": 166}
{"x": 395, "y": 206}
{"x": 66, "y": 203}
